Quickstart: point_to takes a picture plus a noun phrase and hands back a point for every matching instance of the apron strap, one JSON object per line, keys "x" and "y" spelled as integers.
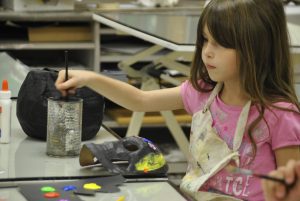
{"x": 242, "y": 121}
{"x": 212, "y": 96}
{"x": 241, "y": 125}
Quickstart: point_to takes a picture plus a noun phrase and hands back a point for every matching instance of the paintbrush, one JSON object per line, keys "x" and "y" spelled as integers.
{"x": 113, "y": 133}
{"x": 66, "y": 65}
{"x": 236, "y": 170}
{"x": 66, "y": 72}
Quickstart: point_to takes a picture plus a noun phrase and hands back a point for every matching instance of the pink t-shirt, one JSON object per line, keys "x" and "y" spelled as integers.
{"x": 283, "y": 129}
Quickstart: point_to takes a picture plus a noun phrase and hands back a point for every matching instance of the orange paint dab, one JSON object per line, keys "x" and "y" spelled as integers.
{"x": 146, "y": 170}
{"x": 51, "y": 195}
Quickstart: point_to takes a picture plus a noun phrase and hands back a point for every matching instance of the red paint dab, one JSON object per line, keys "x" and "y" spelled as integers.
{"x": 51, "y": 195}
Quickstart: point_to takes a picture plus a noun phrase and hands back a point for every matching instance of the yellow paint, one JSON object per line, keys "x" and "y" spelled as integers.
{"x": 150, "y": 162}
{"x": 121, "y": 198}
{"x": 91, "y": 186}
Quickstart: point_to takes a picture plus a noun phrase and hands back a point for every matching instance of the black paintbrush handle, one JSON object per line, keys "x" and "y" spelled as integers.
{"x": 111, "y": 132}
{"x": 282, "y": 181}
{"x": 67, "y": 71}
{"x": 66, "y": 65}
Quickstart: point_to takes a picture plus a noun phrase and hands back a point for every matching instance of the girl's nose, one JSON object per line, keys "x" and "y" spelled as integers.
{"x": 207, "y": 51}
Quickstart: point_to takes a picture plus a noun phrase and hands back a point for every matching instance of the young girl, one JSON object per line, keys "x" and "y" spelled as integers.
{"x": 241, "y": 95}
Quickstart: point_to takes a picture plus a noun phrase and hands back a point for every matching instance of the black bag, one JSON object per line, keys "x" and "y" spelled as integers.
{"x": 32, "y": 103}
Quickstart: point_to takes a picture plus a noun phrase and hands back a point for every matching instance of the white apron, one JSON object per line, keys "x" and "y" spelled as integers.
{"x": 208, "y": 152}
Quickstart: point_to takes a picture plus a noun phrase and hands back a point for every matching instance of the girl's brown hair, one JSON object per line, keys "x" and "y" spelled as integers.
{"x": 257, "y": 30}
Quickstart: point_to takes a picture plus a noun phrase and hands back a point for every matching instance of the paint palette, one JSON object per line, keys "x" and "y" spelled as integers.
{"x": 68, "y": 190}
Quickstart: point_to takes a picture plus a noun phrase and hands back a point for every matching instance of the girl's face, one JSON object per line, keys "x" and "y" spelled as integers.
{"x": 220, "y": 62}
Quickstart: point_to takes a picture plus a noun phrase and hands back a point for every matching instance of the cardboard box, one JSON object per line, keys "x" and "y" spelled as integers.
{"x": 60, "y": 34}
{"x": 296, "y": 65}
{"x": 123, "y": 116}
{"x": 38, "y": 5}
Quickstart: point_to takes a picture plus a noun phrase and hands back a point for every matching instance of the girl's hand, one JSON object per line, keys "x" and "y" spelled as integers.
{"x": 76, "y": 79}
{"x": 275, "y": 191}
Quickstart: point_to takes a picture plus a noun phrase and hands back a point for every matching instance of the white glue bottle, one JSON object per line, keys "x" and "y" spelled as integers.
{"x": 5, "y": 113}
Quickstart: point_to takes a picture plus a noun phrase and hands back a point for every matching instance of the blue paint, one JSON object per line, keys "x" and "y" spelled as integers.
{"x": 146, "y": 140}
{"x": 69, "y": 188}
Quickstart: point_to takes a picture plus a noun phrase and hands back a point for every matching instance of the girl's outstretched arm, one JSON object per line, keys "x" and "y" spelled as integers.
{"x": 119, "y": 92}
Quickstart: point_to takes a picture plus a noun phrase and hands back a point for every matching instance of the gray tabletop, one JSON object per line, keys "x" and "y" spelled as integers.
{"x": 26, "y": 157}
